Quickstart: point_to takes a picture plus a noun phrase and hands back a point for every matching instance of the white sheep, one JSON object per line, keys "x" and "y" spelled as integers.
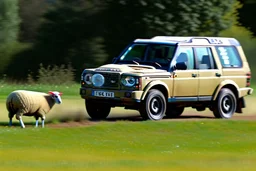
{"x": 31, "y": 103}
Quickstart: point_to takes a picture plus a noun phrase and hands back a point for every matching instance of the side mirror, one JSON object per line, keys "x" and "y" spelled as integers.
{"x": 181, "y": 66}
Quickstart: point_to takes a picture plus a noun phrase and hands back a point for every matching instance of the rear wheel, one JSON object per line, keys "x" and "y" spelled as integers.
{"x": 225, "y": 104}
{"x": 97, "y": 111}
{"x": 154, "y": 106}
{"x": 174, "y": 111}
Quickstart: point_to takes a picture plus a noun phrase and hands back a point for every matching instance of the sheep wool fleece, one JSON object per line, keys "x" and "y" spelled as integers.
{"x": 29, "y": 102}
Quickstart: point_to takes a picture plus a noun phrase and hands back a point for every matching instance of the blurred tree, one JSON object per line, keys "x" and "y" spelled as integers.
{"x": 68, "y": 35}
{"x": 246, "y": 13}
{"x": 126, "y": 20}
{"x": 9, "y": 28}
{"x": 9, "y": 21}
{"x": 88, "y": 33}
{"x": 31, "y": 12}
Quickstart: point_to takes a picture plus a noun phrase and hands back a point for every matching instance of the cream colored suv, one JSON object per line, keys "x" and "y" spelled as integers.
{"x": 163, "y": 75}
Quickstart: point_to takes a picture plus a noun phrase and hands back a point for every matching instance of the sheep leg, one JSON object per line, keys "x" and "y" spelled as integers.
{"x": 36, "y": 123}
{"x": 10, "y": 122}
{"x": 43, "y": 118}
{"x": 21, "y": 122}
{"x": 18, "y": 117}
{"x": 36, "y": 117}
{"x": 41, "y": 114}
{"x": 10, "y": 119}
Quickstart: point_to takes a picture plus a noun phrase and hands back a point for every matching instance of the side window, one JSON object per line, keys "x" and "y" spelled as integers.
{"x": 204, "y": 58}
{"x": 185, "y": 54}
{"x": 229, "y": 57}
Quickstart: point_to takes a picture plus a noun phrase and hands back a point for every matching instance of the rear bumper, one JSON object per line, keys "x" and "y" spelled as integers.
{"x": 250, "y": 91}
{"x": 245, "y": 91}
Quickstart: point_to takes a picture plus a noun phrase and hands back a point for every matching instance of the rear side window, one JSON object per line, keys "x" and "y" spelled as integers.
{"x": 229, "y": 57}
{"x": 204, "y": 58}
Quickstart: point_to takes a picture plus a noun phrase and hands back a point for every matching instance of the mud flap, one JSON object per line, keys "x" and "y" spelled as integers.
{"x": 240, "y": 105}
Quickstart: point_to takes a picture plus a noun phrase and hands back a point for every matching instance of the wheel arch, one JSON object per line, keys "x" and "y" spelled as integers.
{"x": 159, "y": 85}
{"x": 227, "y": 84}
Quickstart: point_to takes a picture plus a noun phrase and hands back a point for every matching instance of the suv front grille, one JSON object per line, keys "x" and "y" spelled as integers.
{"x": 111, "y": 80}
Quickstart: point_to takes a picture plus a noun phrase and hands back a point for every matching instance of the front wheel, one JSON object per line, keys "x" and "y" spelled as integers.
{"x": 154, "y": 106}
{"x": 97, "y": 111}
{"x": 225, "y": 105}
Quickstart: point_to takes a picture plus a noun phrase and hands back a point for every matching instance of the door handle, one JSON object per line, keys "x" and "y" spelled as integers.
{"x": 194, "y": 75}
{"x": 218, "y": 74}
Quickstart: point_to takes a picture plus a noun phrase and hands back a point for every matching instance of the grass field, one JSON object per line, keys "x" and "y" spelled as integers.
{"x": 192, "y": 145}
{"x": 125, "y": 144}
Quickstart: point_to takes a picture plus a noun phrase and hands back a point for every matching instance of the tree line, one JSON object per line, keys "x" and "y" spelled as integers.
{"x": 88, "y": 33}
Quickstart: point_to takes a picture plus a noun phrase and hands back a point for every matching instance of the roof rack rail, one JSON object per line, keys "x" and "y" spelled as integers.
{"x": 210, "y": 40}
{"x": 173, "y": 38}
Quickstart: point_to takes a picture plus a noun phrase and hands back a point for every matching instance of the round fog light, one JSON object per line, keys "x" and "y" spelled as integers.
{"x": 98, "y": 80}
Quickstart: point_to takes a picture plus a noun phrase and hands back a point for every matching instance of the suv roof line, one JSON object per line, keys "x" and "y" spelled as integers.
{"x": 155, "y": 41}
{"x": 195, "y": 40}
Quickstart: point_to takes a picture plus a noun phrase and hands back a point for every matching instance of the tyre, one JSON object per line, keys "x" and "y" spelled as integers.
{"x": 154, "y": 106}
{"x": 225, "y": 104}
{"x": 173, "y": 111}
{"x": 97, "y": 111}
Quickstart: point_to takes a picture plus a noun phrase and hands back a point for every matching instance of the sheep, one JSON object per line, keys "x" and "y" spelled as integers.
{"x": 31, "y": 103}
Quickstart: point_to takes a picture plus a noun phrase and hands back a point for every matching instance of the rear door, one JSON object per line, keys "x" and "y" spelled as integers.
{"x": 209, "y": 74}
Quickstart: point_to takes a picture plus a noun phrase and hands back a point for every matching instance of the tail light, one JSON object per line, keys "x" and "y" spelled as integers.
{"x": 248, "y": 79}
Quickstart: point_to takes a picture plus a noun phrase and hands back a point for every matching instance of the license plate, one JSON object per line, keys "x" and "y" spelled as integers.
{"x": 103, "y": 94}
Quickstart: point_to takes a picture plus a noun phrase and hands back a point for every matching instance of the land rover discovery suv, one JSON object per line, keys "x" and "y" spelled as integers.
{"x": 161, "y": 76}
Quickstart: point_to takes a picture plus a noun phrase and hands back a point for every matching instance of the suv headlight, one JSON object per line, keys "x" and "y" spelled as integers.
{"x": 128, "y": 81}
{"x": 88, "y": 79}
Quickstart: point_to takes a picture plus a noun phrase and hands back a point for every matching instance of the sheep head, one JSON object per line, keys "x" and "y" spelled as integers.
{"x": 56, "y": 96}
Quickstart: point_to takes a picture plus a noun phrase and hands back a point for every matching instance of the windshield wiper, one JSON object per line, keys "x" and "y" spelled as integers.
{"x": 135, "y": 62}
{"x": 158, "y": 64}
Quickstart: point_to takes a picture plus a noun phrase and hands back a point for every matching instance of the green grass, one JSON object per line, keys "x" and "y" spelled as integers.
{"x": 203, "y": 144}
{"x": 192, "y": 145}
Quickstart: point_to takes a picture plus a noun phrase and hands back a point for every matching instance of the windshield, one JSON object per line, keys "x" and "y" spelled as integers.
{"x": 157, "y": 55}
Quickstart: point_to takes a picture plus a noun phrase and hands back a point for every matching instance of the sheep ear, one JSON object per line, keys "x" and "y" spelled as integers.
{"x": 60, "y": 93}
{"x": 50, "y": 92}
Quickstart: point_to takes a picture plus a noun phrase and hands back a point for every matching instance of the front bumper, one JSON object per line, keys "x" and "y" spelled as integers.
{"x": 121, "y": 97}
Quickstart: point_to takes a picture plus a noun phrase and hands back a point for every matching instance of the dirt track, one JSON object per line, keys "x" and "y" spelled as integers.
{"x": 185, "y": 117}
{"x": 77, "y": 109}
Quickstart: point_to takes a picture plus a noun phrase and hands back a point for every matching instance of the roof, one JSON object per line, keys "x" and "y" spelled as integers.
{"x": 191, "y": 40}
